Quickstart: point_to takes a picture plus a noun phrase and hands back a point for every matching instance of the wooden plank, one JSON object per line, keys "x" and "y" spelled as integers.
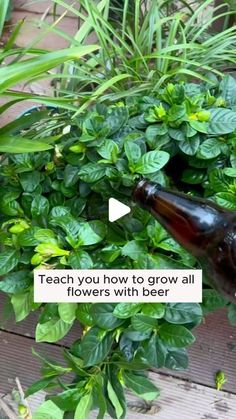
{"x": 180, "y": 400}
{"x": 191, "y": 400}
{"x": 28, "y": 325}
{"x": 214, "y": 349}
{"x": 16, "y": 359}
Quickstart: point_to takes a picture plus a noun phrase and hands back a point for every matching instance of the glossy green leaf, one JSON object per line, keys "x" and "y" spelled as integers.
{"x": 16, "y": 282}
{"x": 48, "y": 410}
{"x": 19, "y": 144}
{"x": 223, "y": 121}
{"x": 22, "y": 71}
{"x": 141, "y": 386}
{"x": 181, "y": 313}
{"x": 143, "y": 323}
{"x": 52, "y": 330}
{"x": 103, "y": 316}
{"x": 95, "y": 346}
{"x": 126, "y": 310}
{"x": 176, "y": 359}
{"x": 155, "y": 310}
{"x": 175, "y": 335}
{"x": 83, "y": 407}
{"x": 152, "y": 162}
{"x": 8, "y": 261}
{"x": 80, "y": 259}
{"x": 67, "y": 312}
{"x": 114, "y": 400}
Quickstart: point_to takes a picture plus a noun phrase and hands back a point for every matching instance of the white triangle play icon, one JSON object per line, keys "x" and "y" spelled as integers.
{"x": 116, "y": 209}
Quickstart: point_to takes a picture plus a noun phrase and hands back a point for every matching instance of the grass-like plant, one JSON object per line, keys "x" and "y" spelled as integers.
{"x": 144, "y": 46}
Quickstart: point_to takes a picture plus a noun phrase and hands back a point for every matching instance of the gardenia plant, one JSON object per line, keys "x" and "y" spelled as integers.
{"x": 54, "y": 214}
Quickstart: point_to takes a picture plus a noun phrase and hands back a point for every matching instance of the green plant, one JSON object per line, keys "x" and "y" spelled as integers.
{"x": 16, "y": 71}
{"x": 5, "y": 7}
{"x": 53, "y": 210}
{"x": 143, "y": 49}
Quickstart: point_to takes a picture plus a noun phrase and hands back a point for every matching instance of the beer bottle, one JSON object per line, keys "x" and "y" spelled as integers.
{"x": 203, "y": 228}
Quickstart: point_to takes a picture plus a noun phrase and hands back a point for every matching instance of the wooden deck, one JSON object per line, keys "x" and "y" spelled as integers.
{"x": 187, "y": 394}
{"x": 184, "y": 395}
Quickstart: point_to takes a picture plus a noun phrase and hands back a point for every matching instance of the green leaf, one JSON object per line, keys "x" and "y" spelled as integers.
{"x": 126, "y": 310}
{"x": 114, "y": 400}
{"x": 91, "y": 233}
{"x": 44, "y": 235}
{"x": 228, "y": 89}
{"x": 175, "y": 335}
{"x": 30, "y": 181}
{"x": 22, "y": 305}
{"x": 181, "y": 313}
{"x": 227, "y": 200}
{"x": 133, "y": 249}
{"x": 25, "y": 70}
{"x": 109, "y": 150}
{"x": 209, "y": 149}
{"x": 80, "y": 259}
{"x": 92, "y": 172}
{"x": 39, "y": 206}
{"x": 5, "y": 6}
{"x": 134, "y": 335}
{"x": 103, "y": 316}
{"x": 218, "y": 181}
{"x": 223, "y": 121}
{"x": 176, "y": 359}
{"x": 51, "y": 250}
{"x": 177, "y": 134}
{"x": 83, "y": 314}
{"x": 67, "y": 312}
{"x": 99, "y": 392}
{"x": 27, "y": 237}
{"x": 8, "y": 260}
{"x": 212, "y": 300}
{"x": 95, "y": 346}
{"x": 67, "y": 400}
{"x": 141, "y": 386}
{"x": 199, "y": 126}
{"x": 52, "y": 331}
{"x": 151, "y": 162}
{"x": 190, "y": 145}
{"x": 71, "y": 175}
{"x": 48, "y": 410}
{"x": 16, "y": 282}
{"x": 155, "y": 352}
{"x": 230, "y": 171}
{"x": 143, "y": 323}
{"x": 155, "y": 310}
{"x": 84, "y": 406}
{"x": 38, "y": 385}
{"x": 232, "y": 314}
{"x": 193, "y": 176}
{"x": 133, "y": 152}
{"x": 19, "y": 144}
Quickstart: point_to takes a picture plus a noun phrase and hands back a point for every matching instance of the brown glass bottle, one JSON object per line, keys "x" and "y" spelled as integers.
{"x": 203, "y": 228}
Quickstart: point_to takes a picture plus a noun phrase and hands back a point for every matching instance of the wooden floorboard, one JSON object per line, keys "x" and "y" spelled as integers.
{"x": 214, "y": 349}
{"x": 180, "y": 401}
{"x": 179, "y": 398}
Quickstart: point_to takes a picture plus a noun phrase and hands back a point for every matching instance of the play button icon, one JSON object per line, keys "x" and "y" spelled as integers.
{"x": 116, "y": 209}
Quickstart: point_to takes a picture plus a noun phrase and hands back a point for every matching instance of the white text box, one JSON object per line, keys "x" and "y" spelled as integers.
{"x": 124, "y": 285}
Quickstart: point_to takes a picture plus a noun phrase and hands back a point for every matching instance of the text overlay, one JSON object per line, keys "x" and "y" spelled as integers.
{"x": 143, "y": 285}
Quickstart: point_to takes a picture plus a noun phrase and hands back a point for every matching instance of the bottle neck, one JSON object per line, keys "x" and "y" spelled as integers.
{"x": 191, "y": 221}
